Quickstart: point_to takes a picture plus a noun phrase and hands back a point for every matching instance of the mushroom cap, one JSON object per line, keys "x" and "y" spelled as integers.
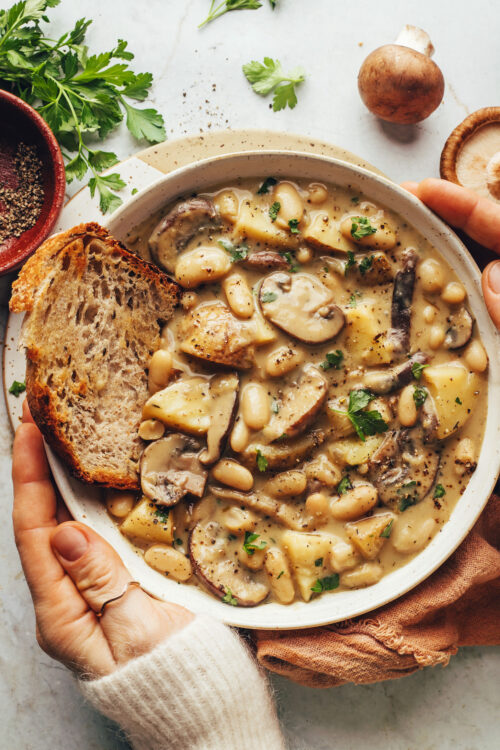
{"x": 471, "y": 155}
{"x": 400, "y": 85}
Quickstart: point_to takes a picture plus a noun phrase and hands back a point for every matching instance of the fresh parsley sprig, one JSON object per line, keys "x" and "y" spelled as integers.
{"x": 82, "y": 98}
{"x": 17, "y": 387}
{"x": 332, "y": 359}
{"x": 270, "y": 76}
{"x": 328, "y": 583}
{"x": 250, "y": 544}
{"x": 237, "y": 252}
{"x": 361, "y": 227}
{"x": 218, "y": 10}
{"x": 365, "y": 423}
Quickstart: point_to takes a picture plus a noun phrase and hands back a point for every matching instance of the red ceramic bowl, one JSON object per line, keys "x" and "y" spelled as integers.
{"x": 19, "y": 122}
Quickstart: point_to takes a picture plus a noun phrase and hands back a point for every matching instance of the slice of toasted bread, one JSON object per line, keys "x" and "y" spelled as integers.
{"x": 94, "y": 313}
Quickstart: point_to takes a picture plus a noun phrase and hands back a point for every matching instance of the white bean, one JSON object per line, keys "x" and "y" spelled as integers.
{"x": 189, "y": 300}
{"x": 304, "y": 255}
{"x": 287, "y": 484}
{"x": 239, "y": 436}
{"x": 238, "y": 295}
{"x": 454, "y": 293}
{"x": 169, "y": 560}
{"x": 255, "y": 406}
{"x": 283, "y": 360}
{"x": 233, "y": 474}
{"x": 277, "y": 569}
{"x": 407, "y": 408}
{"x": 317, "y": 193}
{"x": 323, "y": 471}
{"x": 227, "y": 205}
{"x": 119, "y": 503}
{"x": 160, "y": 368}
{"x": 431, "y": 275}
{"x": 151, "y": 429}
{"x": 255, "y": 561}
{"x": 366, "y": 575}
{"x": 412, "y": 536}
{"x": 465, "y": 456}
{"x": 202, "y": 265}
{"x": 291, "y": 206}
{"x": 429, "y": 313}
{"x": 354, "y": 503}
{"x": 436, "y": 336}
{"x": 475, "y": 357}
{"x": 238, "y": 520}
{"x": 317, "y": 505}
{"x": 343, "y": 556}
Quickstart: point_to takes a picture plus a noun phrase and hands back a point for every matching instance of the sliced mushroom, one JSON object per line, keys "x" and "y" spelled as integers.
{"x": 178, "y": 227}
{"x": 402, "y": 297}
{"x": 213, "y": 333}
{"x": 459, "y": 330}
{"x": 403, "y": 469}
{"x": 394, "y": 378}
{"x": 222, "y": 575}
{"x": 224, "y": 393}
{"x": 282, "y": 454}
{"x": 300, "y": 403}
{"x": 170, "y": 469}
{"x": 292, "y": 515}
{"x": 266, "y": 260}
{"x": 302, "y": 306}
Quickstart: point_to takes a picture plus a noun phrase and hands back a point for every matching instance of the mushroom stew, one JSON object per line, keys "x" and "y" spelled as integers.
{"x": 317, "y": 402}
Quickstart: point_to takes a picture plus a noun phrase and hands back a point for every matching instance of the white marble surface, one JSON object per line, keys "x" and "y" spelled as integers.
{"x": 437, "y": 709}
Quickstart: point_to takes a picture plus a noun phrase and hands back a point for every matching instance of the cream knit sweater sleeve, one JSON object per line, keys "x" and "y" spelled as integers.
{"x": 198, "y": 690}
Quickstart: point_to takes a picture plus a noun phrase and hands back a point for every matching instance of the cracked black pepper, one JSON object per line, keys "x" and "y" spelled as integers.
{"x": 20, "y": 206}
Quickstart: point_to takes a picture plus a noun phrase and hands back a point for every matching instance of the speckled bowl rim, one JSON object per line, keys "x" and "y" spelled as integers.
{"x": 342, "y": 605}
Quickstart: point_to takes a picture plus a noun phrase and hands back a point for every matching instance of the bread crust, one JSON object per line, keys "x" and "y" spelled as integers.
{"x": 31, "y": 282}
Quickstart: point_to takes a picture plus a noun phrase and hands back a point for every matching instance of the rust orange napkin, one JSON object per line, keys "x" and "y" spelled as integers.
{"x": 459, "y": 605}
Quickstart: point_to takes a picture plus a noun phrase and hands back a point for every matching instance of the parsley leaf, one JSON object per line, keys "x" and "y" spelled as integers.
{"x": 366, "y": 264}
{"x": 294, "y": 266}
{"x": 227, "y": 5}
{"x": 318, "y": 562}
{"x": 268, "y": 76}
{"x": 355, "y": 199}
{"x": 162, "y": 514}
{"x": 365, "y": 423}
{"x": 408, "y": 498}
{"x": 82, "y": 97}
{"x": 361, "y": 227}
{"x": 268, "y": 182}
{"x": 268, "y": 297}
{"x": 417, "y": 369}
{"x": 237, "y": 252}
{"x": 439, "y": 491}
{"x": 458, "y": 400}
{"x": 279, "y": 575}
{"x": 17, "y": 388}
{"x": 385, "y": 533}
{"x": 249, "y": 545}
{"x": 353, "y": 302}
{"x": 294, "y": 226}
{"x": 326, "y": 584}
{"x": 351, "y": 262}
{"x": 274, "y": 210}
{"x": 419, "y": 395}
{"x": 273, "y": 3}
{"x": 228, "y": 598}
{"x": 332, "y": 359}
{"x": 344, "y": 485}
{"x": 261, "y": 461}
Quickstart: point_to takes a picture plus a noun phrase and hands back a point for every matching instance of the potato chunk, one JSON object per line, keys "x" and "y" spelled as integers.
{"x": 454, "y": 392}
{"x": 323, "y": 233}
{"x": 183, "y": 405}
{"x": 365, "y": 534}
{"x": 352, "y": 451}
{"x": 366, "y": 337}
{"x": 147, "y": 521}
{"x": 304, "y": 552}
{"x": 254, "y": 222}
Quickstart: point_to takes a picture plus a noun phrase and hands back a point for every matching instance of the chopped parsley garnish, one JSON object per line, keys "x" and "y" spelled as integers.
{"x": 419, "y": 395}
{"x": 332, "y": 359}
{"x": 385, "y": 533}
{"x": 274, "y": 210}
{"x": 275, "y": 406}
{"x": 178, "y": 541}
{"x": 409, "y": 496}
{"x": 250, "y": 545}
{"x": 355, "y": 199}
{"x": 458, "y": 401}
{"x": 268, "y": 76}
{"x": 417, "y": 369}
{"x": 268, "y": 297}
{"x": 218, "y": 9}
{"x": 232, "y": 537}
{"x": 268, "y": 183}
{"x": 326, "y": 584}
{"x": 134, "y": 191}
{"x": 361, "y": 227}
{"x": 366, "y": 264}
{"x": 228, "y": 598}
{"x": 273, "y": 3}
{"x": 344, "y": 485}
{"x": 237, "y": 252}
{"x": 261, "y": 461}
{"x": 17, "y": 388}
{"x": 279, "y": 575}
{"x": 319, "y": 562}
{"x": 439, "y": 491}
{"x": 294, "y": 226}
{"x": 351, "y": 262}
{"x": 294, "y": 266}
{"x": 365, "y": 423}
{"x": 352, "y": 301}
{"x": 162, "y": 514}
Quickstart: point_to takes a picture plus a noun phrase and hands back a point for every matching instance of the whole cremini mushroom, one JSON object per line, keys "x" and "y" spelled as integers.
{"x": 399, "y": 82}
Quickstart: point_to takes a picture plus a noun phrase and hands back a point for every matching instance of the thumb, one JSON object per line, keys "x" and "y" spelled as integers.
{"x": 134, "y": 623}
{"x": 491, "y": 290}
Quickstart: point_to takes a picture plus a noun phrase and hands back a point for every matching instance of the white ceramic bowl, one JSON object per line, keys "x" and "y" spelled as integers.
{"x": 83, "y": 501}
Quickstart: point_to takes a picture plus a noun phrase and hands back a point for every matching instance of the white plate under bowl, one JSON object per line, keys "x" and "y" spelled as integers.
{"x": 83, "y": 501}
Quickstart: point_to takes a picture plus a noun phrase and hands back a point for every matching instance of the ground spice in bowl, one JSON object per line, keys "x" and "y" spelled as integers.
{"x": 21, "y": 190}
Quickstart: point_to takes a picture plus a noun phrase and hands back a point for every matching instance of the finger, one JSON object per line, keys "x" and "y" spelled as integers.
{"x": 411, "y": 186}
{"x": 133, "y": 624}
{"x": 26, "y": 412}
{"x": 462, "y": 208}
{"x": 491, "y": 291}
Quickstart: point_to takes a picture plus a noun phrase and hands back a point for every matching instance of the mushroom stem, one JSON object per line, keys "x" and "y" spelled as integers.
{"x": 415, "y": 38}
